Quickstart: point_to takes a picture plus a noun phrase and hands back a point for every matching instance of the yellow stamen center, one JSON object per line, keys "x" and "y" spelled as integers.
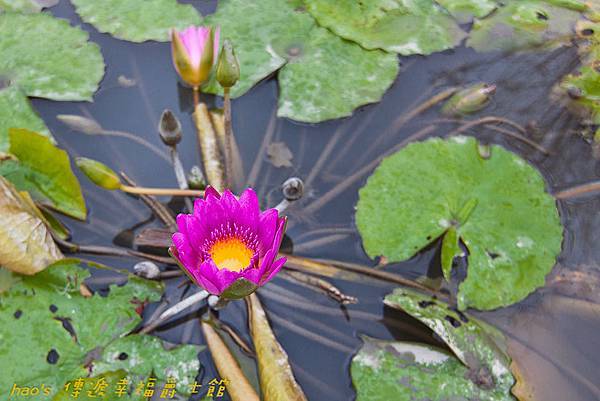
{"x": 231, "y": 254}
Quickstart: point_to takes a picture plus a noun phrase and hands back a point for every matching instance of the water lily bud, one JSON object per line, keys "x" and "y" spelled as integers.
{"x": 99, "y": 173}
{"x": 228, "y": 68}
{"x": 293, "y": 189}
{"x": 194, "y": 53}
{"x": 196, "y": 178}
{"x": 469, "y": 100}
{"x": 147, "y": 270}
{"x": 169, "y": 128}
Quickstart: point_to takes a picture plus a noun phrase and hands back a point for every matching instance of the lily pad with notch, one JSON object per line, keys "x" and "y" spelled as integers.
{"x": 498, "y": 206}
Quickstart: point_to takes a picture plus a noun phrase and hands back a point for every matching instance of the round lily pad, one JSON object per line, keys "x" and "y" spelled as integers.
{"x": 137, "y": 20}
{"x": 465, "y": 10}
{"x": 330, "y": 77}
{"x": 46, "y": 57}
{"x": 525, "y": 24}
{"x": 415, "y": 27}
{"x": 497, "y": 205}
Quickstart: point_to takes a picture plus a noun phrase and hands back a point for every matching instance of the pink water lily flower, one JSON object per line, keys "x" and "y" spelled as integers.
{"x": 194, "y": 52}
{"x": 227, "y": 245}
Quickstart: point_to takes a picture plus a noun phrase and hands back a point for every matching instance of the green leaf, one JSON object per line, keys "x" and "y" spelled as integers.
{"x": 45, "y": 171}
{"x": 27, "y": 246}
{"x": 26, "y": 6}
{"x": 263, "y": 33}
{"x": 16, "y": 112}
{"x": 513, "y": 234}
{"x": 46, "y": 57}
{"x": 477, "y": 345}
{"x": 51, "y": 329}
{"x": 137, "y": 20}
{"x": 405, "y": 27}
{"x": 465, "y": 10}
{"x": 323, "y": 77}
{"x": 141, "y": 355}
{"x": 330, "y": 77}
{"x": 450, "y": 250}
{"x": 584, "y": 87}
{"x": 520, "y": 25}
{"x": 402, "y": 371}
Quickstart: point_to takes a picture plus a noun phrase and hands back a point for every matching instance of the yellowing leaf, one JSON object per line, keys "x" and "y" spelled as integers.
{"x": 27, "y": 246}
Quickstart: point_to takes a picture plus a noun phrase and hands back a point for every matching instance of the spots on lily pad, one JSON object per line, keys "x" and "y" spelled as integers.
{"x": 52, "y": 357}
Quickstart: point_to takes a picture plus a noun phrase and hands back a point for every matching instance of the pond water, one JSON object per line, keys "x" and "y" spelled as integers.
{"x": 554, "y": 339}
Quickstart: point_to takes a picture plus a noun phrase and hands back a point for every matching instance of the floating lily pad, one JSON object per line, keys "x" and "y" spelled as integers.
{"x": 141, "y": 355}
{"x": 477, "y": 345}
{"x": 520, "y": 25}
{"x": 331, "y": 77}
{"x": 26, "y": 6}
{"x": 47, "y": 325}
{"x": 137, "y": 20}
{"x": 405, "y": 27}
{"x": 16, "y": 112}
{"x": 583, "y": 89}
{"x": 402, "y": 371}
{"x": 44, "y": 171}
{"x": 46, "y": 57}
{"x": 323, "y": 76}
{"x": 498, "y": 206}
{"x": 465, "y": 10}
{"x": 264, "y": 33}
{"x": 27, "y": 246}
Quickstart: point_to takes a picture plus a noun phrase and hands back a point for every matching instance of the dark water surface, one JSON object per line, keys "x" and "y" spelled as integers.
{"x": 554, "y": 339}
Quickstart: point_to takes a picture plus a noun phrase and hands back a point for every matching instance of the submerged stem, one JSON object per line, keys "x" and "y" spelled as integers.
{"x": 578, "y": 190}
{"x": 174, "y": 310}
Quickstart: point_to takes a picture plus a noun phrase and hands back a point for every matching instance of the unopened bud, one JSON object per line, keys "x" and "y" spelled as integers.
{"x": 169, "y": 128}
{"x": 99, "y": 173}
{"x": 293, "y": 189}
{"x": 228, "y": 68}
{"x": 196, "y": 178}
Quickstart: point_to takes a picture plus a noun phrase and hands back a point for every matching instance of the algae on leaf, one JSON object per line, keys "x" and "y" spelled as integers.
{"x": 403, "y": 371}
{"x": 512, "y": 231}
{"x": 137, "y": 20}
{"x": 47, "y": 325}
{"x": 405, "y": 27}
{"x": 43, "y": 170}
{"x": 46, "y": 57}
{"x": 330, "y": 77}
{"x": 522, "y": 25}
{"x": 16, "y": 112}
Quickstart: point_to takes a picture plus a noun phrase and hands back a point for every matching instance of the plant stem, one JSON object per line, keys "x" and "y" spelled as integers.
{"x": 138, "y": 140}
{"x": 255, "y": 170}
{"x": 228, "y": 137}
{"x": 162, "y": 191}
{"x": 196, "y": 94}
{"x": 322, "y": 285}
{"x": 209, "y": 148}
{"x": 578, "y": 190}
{"x": 174, "y": 310}
{"x": 161, "y": 212}
{"x": 180, "y": 176}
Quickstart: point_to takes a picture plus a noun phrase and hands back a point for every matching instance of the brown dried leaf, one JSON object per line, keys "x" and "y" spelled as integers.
{"x": 279, "y": 154}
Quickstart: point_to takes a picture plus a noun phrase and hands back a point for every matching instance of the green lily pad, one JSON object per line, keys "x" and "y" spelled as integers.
{"x": 312, "y": 91}
{"x": 498, "y": 206}
{"x": 43, "y": 170}
{"x": 465, "y": 10}
{"x": 16, "y": 112}
{"x": 264, "y": 33}
{"x": 137, "y": 20}
{"x": 584, "y": 87}
{"x": 403, "y": 371}
{"x": 51, "y": 329}
{"x": 405, "y": 27}
{"x": 323, "y": 77}
{"x": 520, "y": 25}
{"x": 46, "y": 57}
{"x": 141, "y": 355}
{"x": 477, "y": 345}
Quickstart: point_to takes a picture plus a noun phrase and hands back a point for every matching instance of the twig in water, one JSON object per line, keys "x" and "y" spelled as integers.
{"x": 488, "y": 120}
{"x": 174, "y": 310}
{"x": 323, "y": 285}
{"x": 158, "y": 208}
{"x": 161, "y": 191}
{"x": 252, "y": 177}
{"x": 578, "y": 190}
{"x": 246, "y": 349}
